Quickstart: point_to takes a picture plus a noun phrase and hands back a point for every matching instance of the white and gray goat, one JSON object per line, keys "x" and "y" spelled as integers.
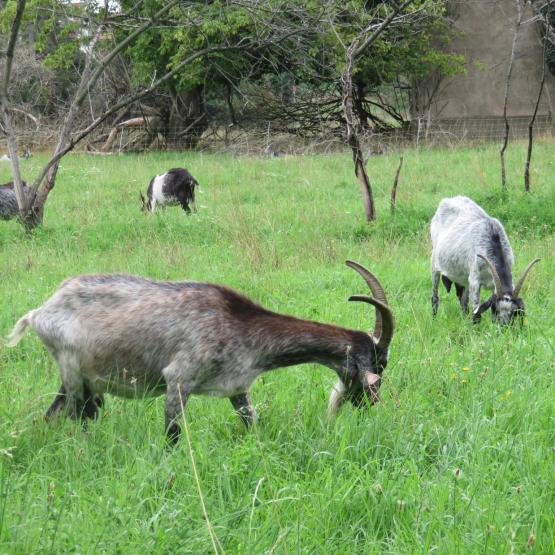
{"x": 131, "y": 336}
{"x": 472, "y": 250}
{"x": 176, "y": 186}
{"x": 8, "y": 200}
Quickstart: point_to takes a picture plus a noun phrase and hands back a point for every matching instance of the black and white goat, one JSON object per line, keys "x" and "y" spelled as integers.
{"x": 133, "y": 336}
{"x": 176, "y": 186}
{"x": 8, "y": 200}
{"x": 472, "y": 250}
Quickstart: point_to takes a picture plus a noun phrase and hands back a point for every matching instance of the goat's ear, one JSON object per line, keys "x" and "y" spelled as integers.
{"x": 477, "y": 315}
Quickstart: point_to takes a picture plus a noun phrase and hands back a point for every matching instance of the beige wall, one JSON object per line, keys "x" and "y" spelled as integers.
{"x": 487, "y": 30}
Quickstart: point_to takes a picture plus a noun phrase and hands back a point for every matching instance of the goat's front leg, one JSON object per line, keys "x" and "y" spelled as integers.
{"x": 435, "y": 297}
{"x": 337, "y": 398}
{"x": 243, "y": 407}
{"x": 474, "y": 291}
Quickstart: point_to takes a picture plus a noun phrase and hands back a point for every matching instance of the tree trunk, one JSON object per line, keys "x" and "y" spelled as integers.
{"x": 187, "y": 119}
{"x": 352, "y": 137}
{"x": 229, "y": 100}
{"x": 357, "y": 47}
{"x": 358, "y": 104}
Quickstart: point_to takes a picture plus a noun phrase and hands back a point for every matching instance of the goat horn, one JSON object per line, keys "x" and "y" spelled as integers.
{"x": 494, "y": 275}
{"x": 384, "y": 324}
{"x": 379, "y": 295}
{"x": 520, "y": 282}
{"x": 377, "y": 291}
{"x": 371, "y": 280}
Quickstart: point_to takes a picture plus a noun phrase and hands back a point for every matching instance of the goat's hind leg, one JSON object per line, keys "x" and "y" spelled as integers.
{"x": 74, "y": 395}
{"x": 176, "y": 398}
{"x": 462, "y": 295}
{"x": 92, "y": 403}
{"x": 243, "y": 407}
{"x": 435, "y": 286}
{"x": 57, "y": 405}
{"x": 87, "y": 409}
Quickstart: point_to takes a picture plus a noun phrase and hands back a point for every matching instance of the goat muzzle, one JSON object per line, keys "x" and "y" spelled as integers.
{"x": 372, "y": 383}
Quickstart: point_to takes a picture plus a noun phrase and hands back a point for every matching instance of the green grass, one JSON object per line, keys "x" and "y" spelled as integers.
{"x": 458, "y": 457}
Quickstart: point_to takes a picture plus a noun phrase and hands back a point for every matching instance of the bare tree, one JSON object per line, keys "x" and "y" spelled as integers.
{"x": 360, "y": 44}
{"x": 507, "y": 86}
{"x": 31, "y": 206}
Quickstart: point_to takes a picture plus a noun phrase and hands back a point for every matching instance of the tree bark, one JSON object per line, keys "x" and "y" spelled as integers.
{"x": 352, "y": 136}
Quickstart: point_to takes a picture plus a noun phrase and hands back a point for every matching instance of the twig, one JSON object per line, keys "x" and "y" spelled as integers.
{"x": 394, "y": 188}
{"x": 507, "y": 84}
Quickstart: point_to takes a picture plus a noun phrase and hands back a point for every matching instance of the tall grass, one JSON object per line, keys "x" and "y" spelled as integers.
{"x": 458, "y": 457}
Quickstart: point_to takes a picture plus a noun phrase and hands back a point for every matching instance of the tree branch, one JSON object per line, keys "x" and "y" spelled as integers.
{"x": 378, "y": 30}
{"x": 123, "y": 103}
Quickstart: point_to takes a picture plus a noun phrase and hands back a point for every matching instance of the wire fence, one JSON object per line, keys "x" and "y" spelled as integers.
{"x": 248, "y": 140}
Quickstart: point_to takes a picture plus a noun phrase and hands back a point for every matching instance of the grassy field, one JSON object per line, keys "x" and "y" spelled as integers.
{"x": 457, "y": 458}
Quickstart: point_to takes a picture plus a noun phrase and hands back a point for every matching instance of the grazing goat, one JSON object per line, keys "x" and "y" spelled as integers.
{"x": 8, "y": 200}
{"x": 176, "y": 186}
{"x": 131, "y": 336}
{"x": 472, "y": 250}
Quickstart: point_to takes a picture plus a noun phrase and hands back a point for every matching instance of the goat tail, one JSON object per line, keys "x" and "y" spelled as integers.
{"x": 19, "y": 329}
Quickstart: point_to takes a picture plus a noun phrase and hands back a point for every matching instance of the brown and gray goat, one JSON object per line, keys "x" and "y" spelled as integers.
{"x": 130, "y": 336}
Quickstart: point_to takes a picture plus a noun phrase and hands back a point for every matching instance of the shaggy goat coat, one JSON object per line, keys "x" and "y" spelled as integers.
{"x": 132, "y": 336}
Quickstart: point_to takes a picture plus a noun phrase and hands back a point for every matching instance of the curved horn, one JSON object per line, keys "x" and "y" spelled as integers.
{"x": 377, "y": 290}
{"x": 371, "y": 280}
{"x": 520, "y": 282}
{"x": 385, "y": 324}
{"x": 494, "y": 275}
